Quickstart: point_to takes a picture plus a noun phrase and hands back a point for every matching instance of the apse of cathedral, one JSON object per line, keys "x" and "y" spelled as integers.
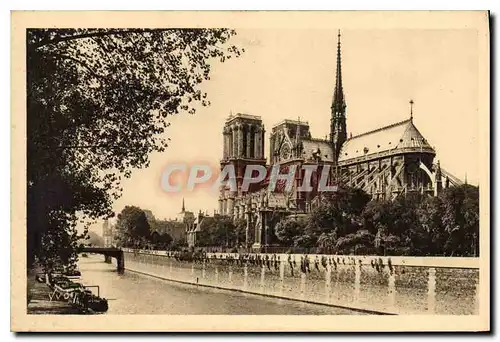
{"x": 387, "y": 162}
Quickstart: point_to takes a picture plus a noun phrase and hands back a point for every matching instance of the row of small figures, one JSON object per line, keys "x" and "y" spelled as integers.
{"x": 274, "y": 260}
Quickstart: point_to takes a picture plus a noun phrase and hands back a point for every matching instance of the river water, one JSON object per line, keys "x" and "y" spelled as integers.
{"x": 132, "y": 293}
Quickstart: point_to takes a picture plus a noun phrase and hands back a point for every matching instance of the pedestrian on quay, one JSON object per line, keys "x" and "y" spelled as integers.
{"x": 291, "y": 264}
{"x": 302, "y": 264}
{"x": 306, "y": 264}
{"x": 316, "y": 263}
{"x": 323, "y": 261}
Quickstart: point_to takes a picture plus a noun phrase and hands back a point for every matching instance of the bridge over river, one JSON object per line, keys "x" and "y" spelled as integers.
{"x": 108, "y": 252}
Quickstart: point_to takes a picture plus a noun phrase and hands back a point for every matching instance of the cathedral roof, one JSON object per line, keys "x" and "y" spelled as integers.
{"x": 310, "y": 146}
{"x": 396, "y": 138}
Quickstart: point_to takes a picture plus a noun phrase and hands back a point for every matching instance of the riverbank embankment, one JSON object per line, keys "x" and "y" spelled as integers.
{"x": 390, "y": 285}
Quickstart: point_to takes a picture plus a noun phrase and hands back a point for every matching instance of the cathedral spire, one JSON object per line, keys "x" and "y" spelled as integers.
{"x": 338, "y": 95}
{"x": 338, "y": 129}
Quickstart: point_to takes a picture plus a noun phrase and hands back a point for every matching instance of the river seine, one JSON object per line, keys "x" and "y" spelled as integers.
{"x": 132, "y": 293}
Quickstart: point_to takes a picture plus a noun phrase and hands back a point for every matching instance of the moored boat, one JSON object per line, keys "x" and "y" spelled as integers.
{"x": 76, "y": 293}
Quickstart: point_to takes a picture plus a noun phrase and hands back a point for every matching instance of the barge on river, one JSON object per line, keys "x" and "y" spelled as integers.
{"x": 66, "y": 289}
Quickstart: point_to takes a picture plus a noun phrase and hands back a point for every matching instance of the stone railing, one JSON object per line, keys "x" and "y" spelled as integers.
{"x": 394, "y": 285}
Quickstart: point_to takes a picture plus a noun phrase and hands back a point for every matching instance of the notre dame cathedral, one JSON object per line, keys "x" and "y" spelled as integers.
{"x": 387, "y": 162}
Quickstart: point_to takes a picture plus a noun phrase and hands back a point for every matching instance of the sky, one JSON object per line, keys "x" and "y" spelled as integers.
{"x": 290, "y": 73}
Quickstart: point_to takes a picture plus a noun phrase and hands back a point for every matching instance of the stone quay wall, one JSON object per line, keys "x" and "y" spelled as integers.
{"x": 390, "y": 285}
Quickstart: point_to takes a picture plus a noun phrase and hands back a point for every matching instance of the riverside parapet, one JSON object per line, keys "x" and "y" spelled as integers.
{"x": 394, "y": 285}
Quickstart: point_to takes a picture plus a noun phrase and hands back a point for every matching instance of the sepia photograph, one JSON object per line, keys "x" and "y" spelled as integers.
{"x": 250, "y": 171}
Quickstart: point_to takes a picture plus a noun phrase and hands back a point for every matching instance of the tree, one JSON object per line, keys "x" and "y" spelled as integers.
{"x": 361, "y": 242}
{"x": 240, "y": 227}
{"x": 396, "y": 220}
{"x": 160, "y": 241}
{"x": 132, "y": 227}
{"x": 304, "y": 241}
{"x": 385, "y": 243}
{"x": 327, "y": 241}
{"x": 218, "y": 231}
{"x": 93, "y": 239}
{"x": 223, "y": 233}
{"x": 443, "y": 225}
{"x": 165, "y": 240}
{"x": 377, "y": 214}
{"x": 154, "y": 238}
{"x": 352, "y": 201}
{"x": 323, "y": 219}
{"x": 460, "y": 220}
{"x": 59, "y": 246}
{"x": 430, "y": 214}
{"x": 151, "y": 219}
{"x": 97, "y": 103}
{"x": 339, "y": 212}
{"x": 204, "y": 237}
{"x": 288, "y": 229}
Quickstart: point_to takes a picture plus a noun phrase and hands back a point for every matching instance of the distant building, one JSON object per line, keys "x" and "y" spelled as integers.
{"x": 201, "y": 222}
{"x": 108, "y": 233}
{"x": 150, "y": 217}
{"x": 176, "y": 228}
{"x": 184, "y": 215}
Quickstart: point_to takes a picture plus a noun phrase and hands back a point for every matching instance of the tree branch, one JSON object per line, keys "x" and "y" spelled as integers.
{"x": 76, "y": 147}
{"x": 76, "y": 61}
{"x": 92, "y": 34}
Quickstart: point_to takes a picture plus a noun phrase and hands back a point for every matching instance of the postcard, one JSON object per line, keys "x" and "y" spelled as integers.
{"x": 250, "y": 171}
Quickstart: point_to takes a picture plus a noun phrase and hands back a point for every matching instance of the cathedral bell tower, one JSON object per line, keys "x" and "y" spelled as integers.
{"x": 243, "y": 137}
{"x": 338, "y": 129}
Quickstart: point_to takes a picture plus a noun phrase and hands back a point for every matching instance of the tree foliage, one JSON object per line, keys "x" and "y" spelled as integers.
{"x": 217, "y": 231}
{"x": 240, "y": 227}
{"x": 161, "y": 241}
{"x": 98, "y": 102}
{"x": 460, "y": 220}
{"x": 327, "y": 241}
{"x": 288, "y": 229}
{"x": 93, "y": 239}
{"x": 174, "y": 229}
{"x": 132, "y": 227}
{"x": 360, "y": 242}
{"x": 338, "y": 212}
{"x": 347, "y": 223}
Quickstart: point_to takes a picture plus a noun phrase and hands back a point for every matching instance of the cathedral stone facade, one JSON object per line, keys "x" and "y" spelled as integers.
{"x": 391, "y": 161}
